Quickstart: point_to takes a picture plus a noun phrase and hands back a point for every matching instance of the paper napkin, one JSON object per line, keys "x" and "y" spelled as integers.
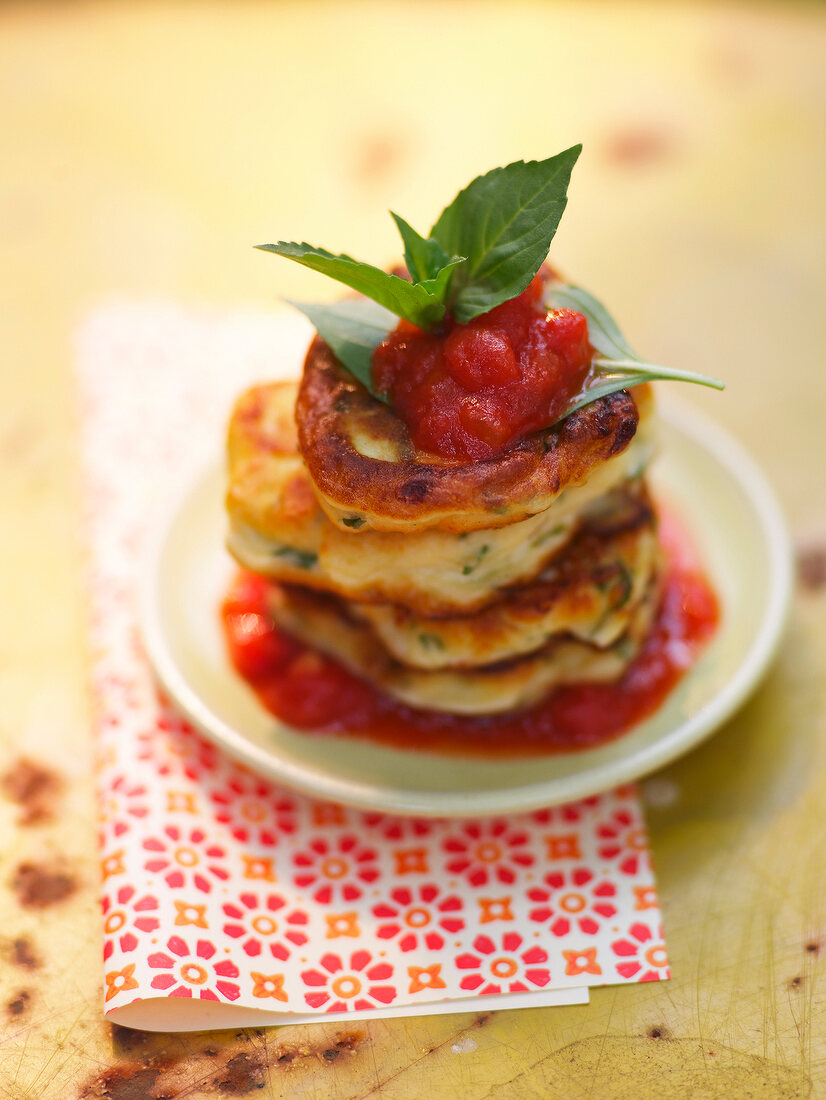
{"x": 228, "y": 901}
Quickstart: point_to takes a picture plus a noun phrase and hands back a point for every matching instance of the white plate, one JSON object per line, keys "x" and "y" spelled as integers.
{"x": 709, "y": 481}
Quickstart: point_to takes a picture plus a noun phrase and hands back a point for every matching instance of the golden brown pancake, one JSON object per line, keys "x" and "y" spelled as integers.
{"x": 323, "y": 622}
{"x": 279, "y": 530}
{"x": 590, "y": 590}
{"x": 369, "y": 475}
{"x": 268, "y": 488}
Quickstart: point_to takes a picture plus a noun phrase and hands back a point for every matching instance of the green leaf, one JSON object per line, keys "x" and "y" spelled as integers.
{"x": 414, "y": 302}
{"x": 352, "y": 329}
{"x": 610, "y": 376}
{"x": 618, "y": 368}
{"x": 484, "y": 249}
{"x": 424, "y": 257}
{"x": 603, "y": 330}
{"x": 439, "y": 285}
{"x": 428, "y": 263}
{"x": 503, "y": 222}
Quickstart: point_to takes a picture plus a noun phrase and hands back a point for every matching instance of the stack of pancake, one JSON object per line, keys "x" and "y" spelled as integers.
{"x": 466, "y": 588}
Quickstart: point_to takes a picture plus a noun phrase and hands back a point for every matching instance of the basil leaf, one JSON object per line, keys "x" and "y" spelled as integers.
{"x": 428, "y": 263}
{"x": 610, "y": 376}
{"x": 352, "y": 329}
{"x": 425, "y": 258}
{"x": 503, "y": 222}
{"x": 603, "y": 330}
{"x": 415, "y": 303}
{"x": 439, "y": 285}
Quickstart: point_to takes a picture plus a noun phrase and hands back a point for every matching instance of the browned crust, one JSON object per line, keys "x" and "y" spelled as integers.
{"x": 420, "y": 490}
{"x": 591, "y": 586}
{"x": 323, "y": 623}
{"x": 593, "y": 558}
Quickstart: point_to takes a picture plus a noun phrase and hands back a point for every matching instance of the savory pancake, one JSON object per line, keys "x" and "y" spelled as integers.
{"x": 323, "y": 622}
{"x": 369, "y": 475}
{"x": 269, "y": 491}
{"x": 279, "y": 530}
{"x": 589, "y": 590}
{"x": 437, "y": 576}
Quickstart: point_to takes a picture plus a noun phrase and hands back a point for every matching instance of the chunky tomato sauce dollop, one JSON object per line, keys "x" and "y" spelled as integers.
{"x": 315, "y": 693}
{"x": 468, "y": 392}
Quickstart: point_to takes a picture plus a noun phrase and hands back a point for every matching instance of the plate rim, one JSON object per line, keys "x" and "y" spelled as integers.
{"x": 702, "y": 430}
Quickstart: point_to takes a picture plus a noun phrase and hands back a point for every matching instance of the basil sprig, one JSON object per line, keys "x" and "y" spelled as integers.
{"x": 484, "y": 249}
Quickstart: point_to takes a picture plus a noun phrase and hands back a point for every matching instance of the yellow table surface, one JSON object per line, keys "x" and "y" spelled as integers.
{"x": 143, "y": 150}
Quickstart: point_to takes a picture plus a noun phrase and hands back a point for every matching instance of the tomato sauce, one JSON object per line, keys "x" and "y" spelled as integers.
{"x": 314, "y": 693}
{"x": 470, "y": 391}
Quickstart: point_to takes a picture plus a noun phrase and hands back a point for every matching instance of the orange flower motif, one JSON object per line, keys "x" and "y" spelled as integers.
{"x": 268, "y": 985}
{"x": 582, "y": 962}
{"x": 266, "y": 920}
{"x": 125, "y": 801}
{"x": 186, "y": 858}
{"x": 335, "y": 867}
{"x": 504, "y": 964}
{"x": 190, "y": 914}
{"x": 425, "y": 977}
{"x": 255, "y": 813}
{"x": 180, "y": 749}
{"x": 123, "y": 912}
{"x": 645, "y": 897}
{"x": 494, "y": 909}
{"x": 188, "y": 973}
{"x": 113, "y": 864}
{"x": 563, "y": 846}
{"x": 342, "y": 924}
{"x": 411, "y": 861}
{"x": 644, "y": 954}
{"x": 328, "y": 813}
{"x": 258, "y": 867}
{"x": 419, "y": 916}
{"x": 181, "y": 801}
{"x": 622, "y": 838}
{"x": 488, "y": 851}
{"x": 117, "y": 981}
{"x": 574, "y": 898}
{"x": 337, "y": 988}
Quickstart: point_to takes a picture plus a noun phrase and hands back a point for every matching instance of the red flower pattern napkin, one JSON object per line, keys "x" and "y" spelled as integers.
{"x": 228, "y": 901}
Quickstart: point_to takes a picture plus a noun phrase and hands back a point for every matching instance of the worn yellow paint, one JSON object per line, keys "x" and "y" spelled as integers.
{"x": 144, "y": 148}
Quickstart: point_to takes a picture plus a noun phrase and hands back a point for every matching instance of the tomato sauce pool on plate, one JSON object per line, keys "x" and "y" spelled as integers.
{"x": 312, "y": 692}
